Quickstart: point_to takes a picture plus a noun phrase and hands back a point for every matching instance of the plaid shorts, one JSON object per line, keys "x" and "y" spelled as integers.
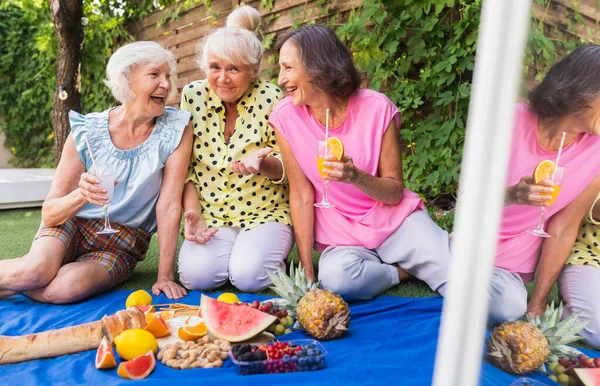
{"x": 118, "y": 252}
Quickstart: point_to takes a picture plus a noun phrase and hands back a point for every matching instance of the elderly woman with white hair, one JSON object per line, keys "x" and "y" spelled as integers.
{"x": 146, "y": 146}
{"x": 237, "y": 218}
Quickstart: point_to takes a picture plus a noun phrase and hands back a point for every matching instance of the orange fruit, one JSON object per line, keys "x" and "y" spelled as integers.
{"x": 166, "y": 315}
{"x": 156, "y": 325}
{"x": 192, "y": 332}
{"x": 336, "y": 147}
{"x": 137, "y": 368}
{"x": 105, "y": 357}
{"x": 543, "y": 171}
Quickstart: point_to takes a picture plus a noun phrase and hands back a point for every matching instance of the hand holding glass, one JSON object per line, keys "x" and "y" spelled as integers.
{"x": 322, "y": 152}
{"x": 107, "y": 181}
{"x": 556, "y": 184}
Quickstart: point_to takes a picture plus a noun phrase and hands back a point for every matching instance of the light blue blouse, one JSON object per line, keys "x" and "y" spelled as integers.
{"x": 139, "y": 171}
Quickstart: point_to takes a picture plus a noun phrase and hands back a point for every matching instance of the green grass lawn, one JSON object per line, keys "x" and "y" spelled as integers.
{"x": 18, "y": 227}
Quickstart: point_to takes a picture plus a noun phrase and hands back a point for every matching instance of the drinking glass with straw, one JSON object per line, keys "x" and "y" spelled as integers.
{"x": 557, "y": 180}
{"x": 322, "y": 153}
{"x": 107, "y": 182}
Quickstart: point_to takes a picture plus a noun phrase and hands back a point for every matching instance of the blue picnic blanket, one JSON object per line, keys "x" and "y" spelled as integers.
{"x": 392, "y": 340}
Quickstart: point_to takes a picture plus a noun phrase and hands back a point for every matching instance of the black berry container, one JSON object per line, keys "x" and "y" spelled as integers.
{"x": 278, "y": 357}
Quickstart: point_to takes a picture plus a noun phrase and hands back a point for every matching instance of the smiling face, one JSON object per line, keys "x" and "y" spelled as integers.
{"x": 151, "y": 85}
{"x": 293, "y": 75}
{"x": 229, "y": 81}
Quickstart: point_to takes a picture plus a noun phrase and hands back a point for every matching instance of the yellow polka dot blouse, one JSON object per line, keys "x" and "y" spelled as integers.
{"x": 586, "y": 250}
{"x": 228, "y": 199}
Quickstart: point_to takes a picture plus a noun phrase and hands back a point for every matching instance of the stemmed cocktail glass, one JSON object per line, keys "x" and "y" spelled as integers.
{"x": 322, "y": 152}
{"x": 107, "y": 181}
{"x": 557, "y": 180}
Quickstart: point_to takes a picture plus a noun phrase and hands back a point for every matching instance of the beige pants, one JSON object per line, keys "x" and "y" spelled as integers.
{"x": 419, "y": 246}
{"x": 579, "y": 286}
{"x": 241, "y": 257}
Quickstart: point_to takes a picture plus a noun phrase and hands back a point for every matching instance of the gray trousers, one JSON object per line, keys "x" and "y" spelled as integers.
{"x": 238, "y": 256}
{"x": 579, "y": 286}
{"x": 418, "y": 246}
{"x": 508, "y": 297}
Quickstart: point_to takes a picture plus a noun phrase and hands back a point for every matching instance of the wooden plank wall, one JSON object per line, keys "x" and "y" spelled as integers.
{"x": 183, "y": 35}
{"x": 561, "y": 15}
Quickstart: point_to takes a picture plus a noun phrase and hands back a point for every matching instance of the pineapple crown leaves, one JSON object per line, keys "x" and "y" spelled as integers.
{"x": 291, "y": 288}
{"x": 559, "y": 333}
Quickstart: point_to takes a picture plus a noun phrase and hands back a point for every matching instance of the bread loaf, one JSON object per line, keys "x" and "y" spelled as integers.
{"x": 69, "y": 340}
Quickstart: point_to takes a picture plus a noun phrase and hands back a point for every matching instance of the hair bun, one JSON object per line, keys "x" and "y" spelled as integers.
{"x": 245, "y": 17}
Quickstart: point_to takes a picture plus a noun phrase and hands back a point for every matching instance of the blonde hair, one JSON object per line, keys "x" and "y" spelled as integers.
{"x": 123, "y": 60}
{"x": 236, "y": 42}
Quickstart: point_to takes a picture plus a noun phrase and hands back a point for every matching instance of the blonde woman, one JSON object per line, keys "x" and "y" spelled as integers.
{"x": 237, "y": 220}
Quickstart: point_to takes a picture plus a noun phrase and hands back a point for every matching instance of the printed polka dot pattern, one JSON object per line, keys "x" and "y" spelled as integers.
{"x": 586, "y": 249}
{"x": 228, "y": 199}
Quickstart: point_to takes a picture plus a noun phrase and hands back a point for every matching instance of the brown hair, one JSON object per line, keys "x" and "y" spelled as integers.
{"x": 327, "y": 61}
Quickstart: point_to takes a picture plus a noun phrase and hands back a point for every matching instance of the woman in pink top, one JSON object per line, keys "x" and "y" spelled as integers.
{"x": 378, "y": 233}
{"x": 567, "y": 100}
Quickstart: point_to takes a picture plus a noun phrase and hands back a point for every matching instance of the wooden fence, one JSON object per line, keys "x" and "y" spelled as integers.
{"x": 182, "y": 34}
{"x": 573, "y": 18}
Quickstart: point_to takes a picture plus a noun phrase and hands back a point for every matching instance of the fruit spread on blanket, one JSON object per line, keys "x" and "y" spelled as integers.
{"x": 278, "y": 357}
{"x": 184, "y": 336}
{"x": 524, "y": 346}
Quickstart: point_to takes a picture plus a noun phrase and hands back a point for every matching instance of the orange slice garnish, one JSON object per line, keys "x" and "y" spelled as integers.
{"x": 166, "y": 315}
{"x": 192, "y": 332}
{"x": 156, "y": 325}
{"x": 543, "y": 171}
{"x": 336, "y": 147}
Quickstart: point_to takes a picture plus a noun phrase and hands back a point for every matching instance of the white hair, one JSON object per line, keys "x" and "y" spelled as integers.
{"x": 236, "y": 42}
{"x": 123, "y": 60}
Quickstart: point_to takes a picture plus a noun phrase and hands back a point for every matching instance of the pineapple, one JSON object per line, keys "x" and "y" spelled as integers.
{"x": 523, "y": 346}
{"x": 323, "y": 314}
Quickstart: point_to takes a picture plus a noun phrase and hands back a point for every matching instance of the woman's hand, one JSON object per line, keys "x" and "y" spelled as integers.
{"x": 195, "y": 229}
{"x": 169, "y": 287}
{"x": 340, "y": 171}
{"x": 535, "y": 309}
{"x": 526, "y": 192}
{"x": 251, "y": 163}
{"x": 88, "y": 186}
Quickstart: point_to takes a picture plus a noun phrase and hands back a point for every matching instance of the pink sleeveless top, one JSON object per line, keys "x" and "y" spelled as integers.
{"x": 519, "y": 251}
{"x": 357, "y": 219}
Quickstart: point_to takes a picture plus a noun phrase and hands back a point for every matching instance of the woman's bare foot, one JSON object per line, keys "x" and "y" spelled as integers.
{"x": 403, "y": 275}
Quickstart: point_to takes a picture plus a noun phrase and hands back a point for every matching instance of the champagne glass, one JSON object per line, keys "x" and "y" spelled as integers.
{"x": 557, "y": 181}
{"x": 107, "y": 181}
{"x": 322, "y": 152}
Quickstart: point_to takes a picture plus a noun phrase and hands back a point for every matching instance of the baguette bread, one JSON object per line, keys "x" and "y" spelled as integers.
{"x": 69, "y": 340}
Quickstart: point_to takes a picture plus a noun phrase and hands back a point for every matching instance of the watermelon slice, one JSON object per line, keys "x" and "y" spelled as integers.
{"x": 588, "y": 377}
{"x": 233, "y": 322}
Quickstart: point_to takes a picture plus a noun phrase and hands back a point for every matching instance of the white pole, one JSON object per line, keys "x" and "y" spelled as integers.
{"x": 500, "y": 45}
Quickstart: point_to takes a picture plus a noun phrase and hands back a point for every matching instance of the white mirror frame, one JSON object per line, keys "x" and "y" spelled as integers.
{"x": 497, "y": 75}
